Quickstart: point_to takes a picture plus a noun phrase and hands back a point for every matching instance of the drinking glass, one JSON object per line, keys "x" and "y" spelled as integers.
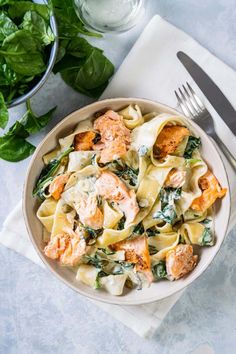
{"x": 110, "y": 15}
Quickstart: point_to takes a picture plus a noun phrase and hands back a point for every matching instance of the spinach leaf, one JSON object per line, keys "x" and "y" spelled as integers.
{"x": 17, "y": 9}
{"x": 47, "y": 173}
{"x": 152, "y": 232}
{"x": 91, "y": 75}
{"x": 207, "y": 237}
{"x": 128, "y": 174}
{"x": 8, "y": 77}
{"x": 121, "y": 223}
{"x": 14, "y": 148}
{"x": 32, "y": 123}
{"x": 3, "y": 112}
{"x": 38, "y": 27}
{"x": 152, "y": 250}
{"x": 192, "y": 144}
{"x": 95, "y": 260}
{"x": 167, "y": 214}
{"x": 169, "y": 195}
{"x": 159, "y": 270}
{"x": 69, "y": 25}
{"x": 139, "y": 229}
{"x": 7, "y": 27}
{"x": 22, "y": 53}
{"x": 92, "y": 235}
{"x": 4, "y": 2}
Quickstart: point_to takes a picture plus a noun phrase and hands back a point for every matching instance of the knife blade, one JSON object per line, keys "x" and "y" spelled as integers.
{"x": 212, "y": 92}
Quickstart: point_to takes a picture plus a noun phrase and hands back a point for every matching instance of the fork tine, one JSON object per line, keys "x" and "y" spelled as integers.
{"x": 183, "y": 107}
{"x": 187, "y": 103}
{"x": 196, "y": 99}
{"x": 191, "y": 100}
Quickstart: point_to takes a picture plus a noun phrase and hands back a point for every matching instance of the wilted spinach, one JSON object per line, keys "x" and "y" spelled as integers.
{"x": 47, "y": 174}
{"x": 168, "y": 195}
{"x": 159, "y": 270}
{"x": 192, "y": 144}
{"x": 167, "y": 214}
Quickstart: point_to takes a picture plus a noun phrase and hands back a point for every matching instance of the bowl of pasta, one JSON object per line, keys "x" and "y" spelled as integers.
{"x": 127, "y": 201}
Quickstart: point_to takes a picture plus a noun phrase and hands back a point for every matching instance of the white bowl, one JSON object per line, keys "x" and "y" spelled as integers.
{"x": 158, "y": 290}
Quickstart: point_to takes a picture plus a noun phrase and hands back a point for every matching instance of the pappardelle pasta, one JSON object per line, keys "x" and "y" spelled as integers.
{"x": 126, "y": 198}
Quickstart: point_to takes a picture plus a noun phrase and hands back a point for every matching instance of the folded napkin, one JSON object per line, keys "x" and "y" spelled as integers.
{"x": 151, "y": 70}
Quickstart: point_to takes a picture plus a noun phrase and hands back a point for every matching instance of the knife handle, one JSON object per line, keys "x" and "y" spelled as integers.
{"x": 231, "y": 159}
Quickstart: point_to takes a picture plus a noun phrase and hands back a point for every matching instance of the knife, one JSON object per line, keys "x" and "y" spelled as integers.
{"x": 212, "y": 92}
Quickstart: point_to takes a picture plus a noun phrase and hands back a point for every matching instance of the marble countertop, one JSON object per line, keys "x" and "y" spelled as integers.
{"x": 39, "y": 314}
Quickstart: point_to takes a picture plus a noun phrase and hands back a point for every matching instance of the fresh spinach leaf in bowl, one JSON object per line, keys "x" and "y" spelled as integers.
{"x": 25, "y": 34}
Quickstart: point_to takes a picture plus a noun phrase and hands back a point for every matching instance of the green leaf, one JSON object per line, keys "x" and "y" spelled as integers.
{"x": 14, "y": 148}
{"x": 121, "y": 223}
{"x": 8, "y": 77}
{"x": 152, "y": 250}
{"x": 18, "y": 130}
{"x": 18, "y": 8}
{"x": 38, "y": 27}
{"x": 159, "y": 270}
{"x": 167, "y": 214}
{"x": 69, "y": 25}
{"x": 169, "y": 195}
{"x": 92, "y": 76}
{"x": 152, "y": 232}
{"x": 7, "y": 27}
{"x": 33, "y": 123}
{"x": 192, "y": 144}
{"x": 3, "y": 112}
{"x": 139, "y": 229}
{"x": 207, "y": 238}
{"x": 22, "y": 53}
{"x": 47, "y": 173}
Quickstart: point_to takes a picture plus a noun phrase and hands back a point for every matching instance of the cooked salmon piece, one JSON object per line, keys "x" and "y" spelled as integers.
{"x": 211, "y": 190}
{"x": 168, "y": 140}
{"x": 175, "y": 178}
{"x": 67, "y": 247}
{"x": 84, "y": 141}
{"x": 109, "y": 186}
{"x": 180, "y": 261}
{"x": 136, "y": 251}
{"x": 115, "y": 137}
{"x": 90, "y": 214}
{"x": 57, "y": 186}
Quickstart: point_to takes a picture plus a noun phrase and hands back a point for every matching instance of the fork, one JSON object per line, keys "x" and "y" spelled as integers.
{"x": 193, "y": 108}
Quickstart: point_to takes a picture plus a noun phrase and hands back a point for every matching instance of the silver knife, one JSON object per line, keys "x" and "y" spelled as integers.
{"x": 212, "y": 92}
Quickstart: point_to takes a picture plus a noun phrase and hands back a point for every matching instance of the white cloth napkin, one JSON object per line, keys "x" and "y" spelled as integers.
{"x": 151, "y": 70}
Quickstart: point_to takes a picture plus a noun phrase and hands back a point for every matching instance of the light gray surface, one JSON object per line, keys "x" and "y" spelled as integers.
{"x": 38, "y": 314}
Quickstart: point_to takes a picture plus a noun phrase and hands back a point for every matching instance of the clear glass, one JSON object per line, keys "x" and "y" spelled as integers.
{"x": 110, "y": 15}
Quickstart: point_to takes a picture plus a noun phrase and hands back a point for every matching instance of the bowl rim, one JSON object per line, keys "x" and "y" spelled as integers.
{"x": 51, "y": 61}
{"x": 115, "y": 299}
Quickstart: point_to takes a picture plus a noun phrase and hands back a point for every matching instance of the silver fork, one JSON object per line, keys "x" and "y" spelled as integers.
{"x": 193, "y": 108}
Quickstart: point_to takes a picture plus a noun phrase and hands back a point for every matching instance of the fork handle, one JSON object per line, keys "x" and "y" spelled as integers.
{"x": 231, "y": 159}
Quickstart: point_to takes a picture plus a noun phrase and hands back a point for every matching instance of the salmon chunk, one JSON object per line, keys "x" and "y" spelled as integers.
{"x": 57, "y": 186}
{"x": 136, "y": 251}
{"x": 175, "y": 178}
{"x": 115, "y": 137}
{"x": 180, "y": 261}
{"x": 109, "y": 186}
{"x": 169, "y": 139}
{"x": 67, "y": 247}
{"x": 90, "y": 214}
{"x": 211, "y": 190}
{"x": 84, "y": 141}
